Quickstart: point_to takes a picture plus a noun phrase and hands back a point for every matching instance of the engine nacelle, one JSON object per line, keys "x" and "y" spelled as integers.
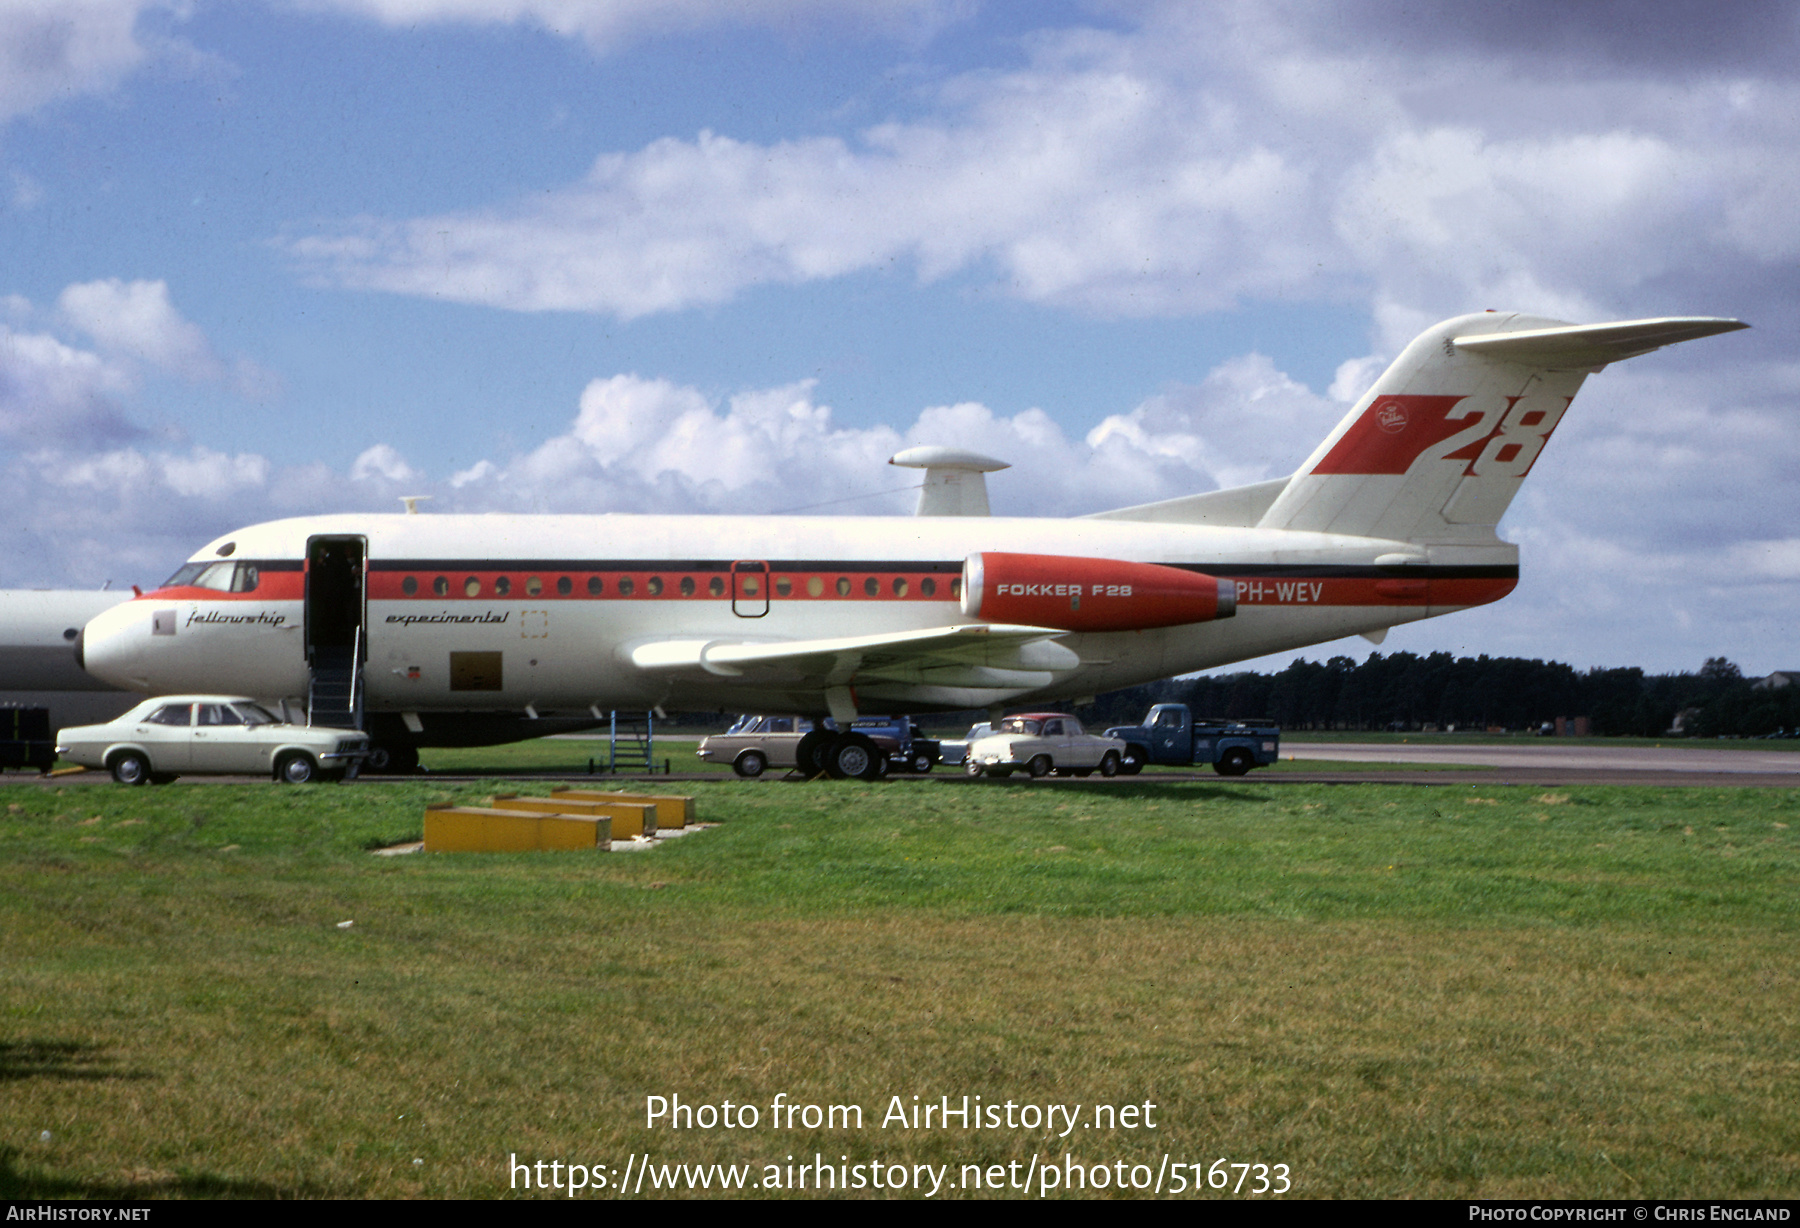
{"x": 1075, "y": 594}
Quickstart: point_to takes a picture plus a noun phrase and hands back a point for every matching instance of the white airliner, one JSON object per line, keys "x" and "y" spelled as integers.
{"x": 435, "y": 630}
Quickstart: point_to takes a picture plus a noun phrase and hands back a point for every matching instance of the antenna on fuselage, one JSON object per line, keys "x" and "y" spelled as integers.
{"x": 412, "y": 503}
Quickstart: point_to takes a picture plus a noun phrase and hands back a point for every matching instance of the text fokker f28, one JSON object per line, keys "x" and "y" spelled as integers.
{"x": 435, "y": 630}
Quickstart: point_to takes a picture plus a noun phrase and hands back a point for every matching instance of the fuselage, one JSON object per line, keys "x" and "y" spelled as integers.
{"x": 544, "y": 613}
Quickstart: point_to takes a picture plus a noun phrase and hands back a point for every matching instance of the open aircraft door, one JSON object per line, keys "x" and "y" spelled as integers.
{"x": 336, "y": 646}
{"x": 750, "y": 588}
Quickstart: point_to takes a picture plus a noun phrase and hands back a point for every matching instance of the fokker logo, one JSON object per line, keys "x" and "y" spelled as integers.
{"x": 1391, "y": 417}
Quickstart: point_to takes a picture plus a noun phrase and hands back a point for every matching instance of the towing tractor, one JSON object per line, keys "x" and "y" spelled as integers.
{"x": 1172, "y": 735}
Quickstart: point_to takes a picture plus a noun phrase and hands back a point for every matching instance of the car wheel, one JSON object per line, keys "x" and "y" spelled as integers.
{"x": 1133, "y": 761}
{"x": 296, "y": 770}
{"x": 130, "y": 768}
{"x": 809, "y": 755}
{"x": 1109, "y": 763}
{"x": 853, "y": 757}
{"x": 921, "y": 763}
{"x": 1234, "y": 762}
{"x": 974, "y": 769}
{"x": 1040, "y": 767}
{"x": 751, "y": 764}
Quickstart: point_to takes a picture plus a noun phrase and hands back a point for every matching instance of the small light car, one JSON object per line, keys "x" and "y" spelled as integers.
{"x": 173, "y": 735}
{"x": 956, "y": 751}
{"x": 1042, "y": 743}
{"x": 754, "y": 744}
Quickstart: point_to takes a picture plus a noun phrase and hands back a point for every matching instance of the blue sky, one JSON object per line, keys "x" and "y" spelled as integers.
{"x": 263, "y": 259}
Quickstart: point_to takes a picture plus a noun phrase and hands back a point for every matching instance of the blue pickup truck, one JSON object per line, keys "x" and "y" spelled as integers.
{"x": 1170, "y": 734}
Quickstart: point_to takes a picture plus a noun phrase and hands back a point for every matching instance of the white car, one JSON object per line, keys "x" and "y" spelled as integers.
{"x": 1042, "y": 743}
{"x": 172, "y": 735}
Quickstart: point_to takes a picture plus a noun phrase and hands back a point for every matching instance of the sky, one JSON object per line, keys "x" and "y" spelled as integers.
{"x": 276, "y": 257}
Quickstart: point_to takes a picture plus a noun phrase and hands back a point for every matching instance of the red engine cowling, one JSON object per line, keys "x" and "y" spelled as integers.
{"x": 1050, "y": 590}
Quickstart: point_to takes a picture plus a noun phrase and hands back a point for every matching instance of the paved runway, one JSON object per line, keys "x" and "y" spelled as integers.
{"x": 1547, "y": 763}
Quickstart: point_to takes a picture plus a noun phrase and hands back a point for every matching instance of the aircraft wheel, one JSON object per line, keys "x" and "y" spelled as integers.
{"x": 1040, "y": 767}
{"x": 809, "y": 756}
{"x": 1133, "y": 761}
{"x": 1234, "y": 762}
{"x": 751, "y": 764}
{"x": 853, "y": 757}
{"x": 1109, "y": 763}
{"x": 296, "y": 769}
{"x": 130, "y": 768}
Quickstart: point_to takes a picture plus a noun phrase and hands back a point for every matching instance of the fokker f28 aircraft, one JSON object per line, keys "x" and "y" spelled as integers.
{"x": 433, "y": 630}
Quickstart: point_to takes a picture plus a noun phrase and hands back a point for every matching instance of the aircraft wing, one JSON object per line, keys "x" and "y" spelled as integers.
{"x": 975, "y": 654}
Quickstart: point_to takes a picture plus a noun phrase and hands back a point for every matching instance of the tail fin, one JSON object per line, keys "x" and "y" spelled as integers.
{"x": 1435, "y": 451}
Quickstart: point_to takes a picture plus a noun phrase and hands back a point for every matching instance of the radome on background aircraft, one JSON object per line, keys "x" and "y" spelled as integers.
{"x": 457, "y": 630}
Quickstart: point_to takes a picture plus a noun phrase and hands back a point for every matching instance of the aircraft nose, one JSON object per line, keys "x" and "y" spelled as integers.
{"x": 111, "y": 646}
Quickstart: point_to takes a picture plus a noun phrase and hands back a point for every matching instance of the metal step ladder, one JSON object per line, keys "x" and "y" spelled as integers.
{"x": 632, "y": 744}
{"x": 335, "y": 698}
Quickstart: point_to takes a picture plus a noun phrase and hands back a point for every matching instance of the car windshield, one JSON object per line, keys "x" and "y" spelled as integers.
{"x": 743, "y": 724}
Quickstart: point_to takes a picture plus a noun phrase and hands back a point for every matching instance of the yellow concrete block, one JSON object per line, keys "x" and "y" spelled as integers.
{"x": 629, "y": 819}
{"x": 670, "y": 811}
{"x": 471, "y": 829}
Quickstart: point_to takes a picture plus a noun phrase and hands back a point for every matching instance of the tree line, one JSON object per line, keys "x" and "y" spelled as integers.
{"x": 1403, "y": 690}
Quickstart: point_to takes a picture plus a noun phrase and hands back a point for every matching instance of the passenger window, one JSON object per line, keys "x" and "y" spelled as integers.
{"x": 653, "y": 586}
{"x": 410, "y": 585}
{"x": 595, "y": 586}
{"x": 533, "y": 586}
{"x": 564, "y": 586}
{"x": 502, "y": 585}
{"x": 716, "y": 586}
{"x": 441, "y": 586}
{"x": 814, "y": 586}
{"x": 927, "y": 587}
{"x": 900, "y": 586}
{"x": 218, "y": 714}
{"x": 872, "y": 587}
{"x": 956, "y": 588}
{"x": 687, "y": 586}
{"x": 626, "y": 587}
{"x": 472, "y": 587}
{"x": 784, "y": 724}
{"x": 1052, "y": 727}
{"x": 173, "y": 714}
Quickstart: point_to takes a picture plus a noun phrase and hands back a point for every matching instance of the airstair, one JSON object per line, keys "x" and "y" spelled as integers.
{"x": 335, "y": 698}
{"x": 632, "y": 742}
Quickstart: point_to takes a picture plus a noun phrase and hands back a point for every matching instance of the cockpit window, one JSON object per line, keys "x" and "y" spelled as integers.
{"x": 220, "y": 577}
{"x": 186, "y": 575}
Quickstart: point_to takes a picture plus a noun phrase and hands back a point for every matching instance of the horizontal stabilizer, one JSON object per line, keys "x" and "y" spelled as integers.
{"x": 1580, "y": 346}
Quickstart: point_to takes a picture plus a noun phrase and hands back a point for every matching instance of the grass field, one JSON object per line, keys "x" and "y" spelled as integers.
{"x": 1440, "y": 991}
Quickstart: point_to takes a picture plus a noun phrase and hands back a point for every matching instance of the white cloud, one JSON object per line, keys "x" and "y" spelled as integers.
{"x": 1208, "y": 157}
{"x": 606, "y": 24}
{"x": 138, "y": 320}
{"x": 57, "y": 49}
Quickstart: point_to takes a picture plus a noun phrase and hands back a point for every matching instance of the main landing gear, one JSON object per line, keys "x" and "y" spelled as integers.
{"x": 841, "y": 756}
